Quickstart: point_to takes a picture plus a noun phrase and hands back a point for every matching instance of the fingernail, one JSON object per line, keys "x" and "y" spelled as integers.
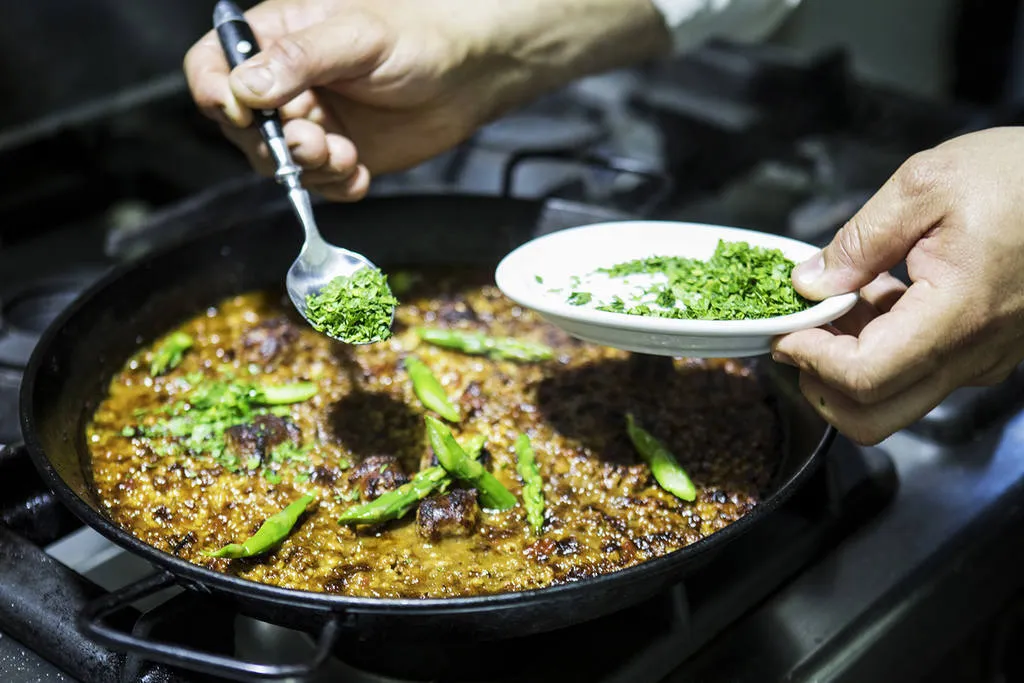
{"x": 780, "y": 357}
{"x": 808, "y": 272}
{"x": 259, "y": 80}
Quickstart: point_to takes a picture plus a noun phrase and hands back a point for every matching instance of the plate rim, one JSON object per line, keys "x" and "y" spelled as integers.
{"x": 508, "y": 279}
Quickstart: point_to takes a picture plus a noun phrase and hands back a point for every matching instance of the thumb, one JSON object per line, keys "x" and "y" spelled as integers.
{"x": 878, "y": 237}
{"x": 338, "y": 48}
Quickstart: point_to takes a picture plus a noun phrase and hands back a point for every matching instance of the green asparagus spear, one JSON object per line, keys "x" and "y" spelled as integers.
{"x": 169, "y": 353}
{"x": 474, "y": 446}
{"x": 533, "y": 493}
{"x": 429, "y": 390}
{"x": 668, "y": 473}
{"x": 281, "y": 394}
{"x": 477, "y": 344}
{"x": 272, "y": 532}
{"x": 395, "y": 504}
{"x": 453, "y": 458}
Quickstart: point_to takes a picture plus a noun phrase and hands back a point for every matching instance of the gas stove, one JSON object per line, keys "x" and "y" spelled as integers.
{"x": 894, "y": 563}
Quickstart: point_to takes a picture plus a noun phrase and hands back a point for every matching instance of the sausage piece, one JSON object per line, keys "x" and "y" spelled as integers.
{"x": 376, "y": 475}
{"x": 455, "y": 513}
{"x": 259, "y": 437}
{"x": 270, "y": 339}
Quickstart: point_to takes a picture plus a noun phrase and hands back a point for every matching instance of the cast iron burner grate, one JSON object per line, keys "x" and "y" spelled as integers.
{"x": 40, "y": 599}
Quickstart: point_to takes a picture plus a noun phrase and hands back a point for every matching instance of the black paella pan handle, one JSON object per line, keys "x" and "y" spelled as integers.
{"x": 90, "y": 622}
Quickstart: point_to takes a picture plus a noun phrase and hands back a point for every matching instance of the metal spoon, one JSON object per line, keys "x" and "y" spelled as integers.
{"x": 318, "y": 262}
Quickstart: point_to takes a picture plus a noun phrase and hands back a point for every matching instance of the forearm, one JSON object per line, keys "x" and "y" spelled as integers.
{"x": 534, "y": 46}
{"x": 562, "y": 40}
{"x": 531, "y": 47}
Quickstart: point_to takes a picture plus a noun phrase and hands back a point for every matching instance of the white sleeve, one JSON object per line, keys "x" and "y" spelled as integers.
{"x": 692, "y": 22}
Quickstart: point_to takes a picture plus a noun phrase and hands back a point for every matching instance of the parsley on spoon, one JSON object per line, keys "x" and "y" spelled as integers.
{"x": 325, "y": 283}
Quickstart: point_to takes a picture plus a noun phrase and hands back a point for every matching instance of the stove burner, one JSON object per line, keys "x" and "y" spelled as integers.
{"x": 35, "y": 309}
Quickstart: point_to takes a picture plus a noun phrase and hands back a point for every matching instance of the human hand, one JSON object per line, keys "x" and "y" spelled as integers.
{"x": 955, "y": 214}
{"x": 365, "y": 86}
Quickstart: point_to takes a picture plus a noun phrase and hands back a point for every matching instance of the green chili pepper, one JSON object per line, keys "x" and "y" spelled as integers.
{"x": 296, "y": 392}
{"x": 271, "y": 532}
{"x": 395, "y": 504}
{"x": 429, "y": 390}
{"x": 460, "y": 465}
{"x": 667, "y": 472}
{"x": 169, "y": 353}
{"x": 533, "y": 492}
{"x": 477, "y": 344}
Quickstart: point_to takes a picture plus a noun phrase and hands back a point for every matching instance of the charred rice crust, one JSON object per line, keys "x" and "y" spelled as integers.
{"x": 605, "y": 512}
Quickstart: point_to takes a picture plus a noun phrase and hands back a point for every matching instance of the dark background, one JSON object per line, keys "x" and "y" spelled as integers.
{"x": 56, "y": 56}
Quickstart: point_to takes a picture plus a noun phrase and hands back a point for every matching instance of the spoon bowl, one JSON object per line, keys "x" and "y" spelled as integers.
{"x": 319, "y": 262}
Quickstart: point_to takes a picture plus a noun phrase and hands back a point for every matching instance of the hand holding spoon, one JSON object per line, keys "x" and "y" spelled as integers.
{"x": 319, "y": 263}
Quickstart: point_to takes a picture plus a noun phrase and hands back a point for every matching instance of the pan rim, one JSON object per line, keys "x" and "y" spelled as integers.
{"x": 195, "y": 577}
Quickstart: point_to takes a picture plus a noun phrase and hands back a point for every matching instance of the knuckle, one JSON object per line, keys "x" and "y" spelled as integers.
{"x": 923, "y": 173}
{"x": 192, "y": 60}
{"x": 994, "y": 377}
{"x": 1002, "y": 376}
{"x": 864, "y": 434}
{"x": 188, "y": 65}
{"x": 293, "y": 52}
{"x": 365, "y": 36}
{"x": 859, "y": 384}
{"x": 851, "y": 244}
{"x": 989, "y": 380}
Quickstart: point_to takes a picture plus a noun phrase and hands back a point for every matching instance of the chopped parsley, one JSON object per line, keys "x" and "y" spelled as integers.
{"x": 356, "y": 309}
{"x": 196, "y": 426}
{"x": 169, "y": 353}
{"x": 738, "y": 282}
{"x": 289, "y": 452}
{"x": 580, "y": 298}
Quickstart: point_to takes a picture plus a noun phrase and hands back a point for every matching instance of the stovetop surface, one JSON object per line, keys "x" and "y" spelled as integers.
{"x": 850, "y": 615}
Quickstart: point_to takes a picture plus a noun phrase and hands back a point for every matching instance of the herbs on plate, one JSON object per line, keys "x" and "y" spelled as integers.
{"x": 355, "y": 309}
{"x": 738, "y": 282}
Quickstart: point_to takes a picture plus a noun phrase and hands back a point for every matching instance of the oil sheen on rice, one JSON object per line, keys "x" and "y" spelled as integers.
{"x": 604, "y": 510}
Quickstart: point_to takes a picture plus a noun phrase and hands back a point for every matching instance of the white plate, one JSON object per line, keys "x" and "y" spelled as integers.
{"x": 529, "y": 273}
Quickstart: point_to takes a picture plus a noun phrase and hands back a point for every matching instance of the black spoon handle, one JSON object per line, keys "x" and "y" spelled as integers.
{"x": 239, "y": 44}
